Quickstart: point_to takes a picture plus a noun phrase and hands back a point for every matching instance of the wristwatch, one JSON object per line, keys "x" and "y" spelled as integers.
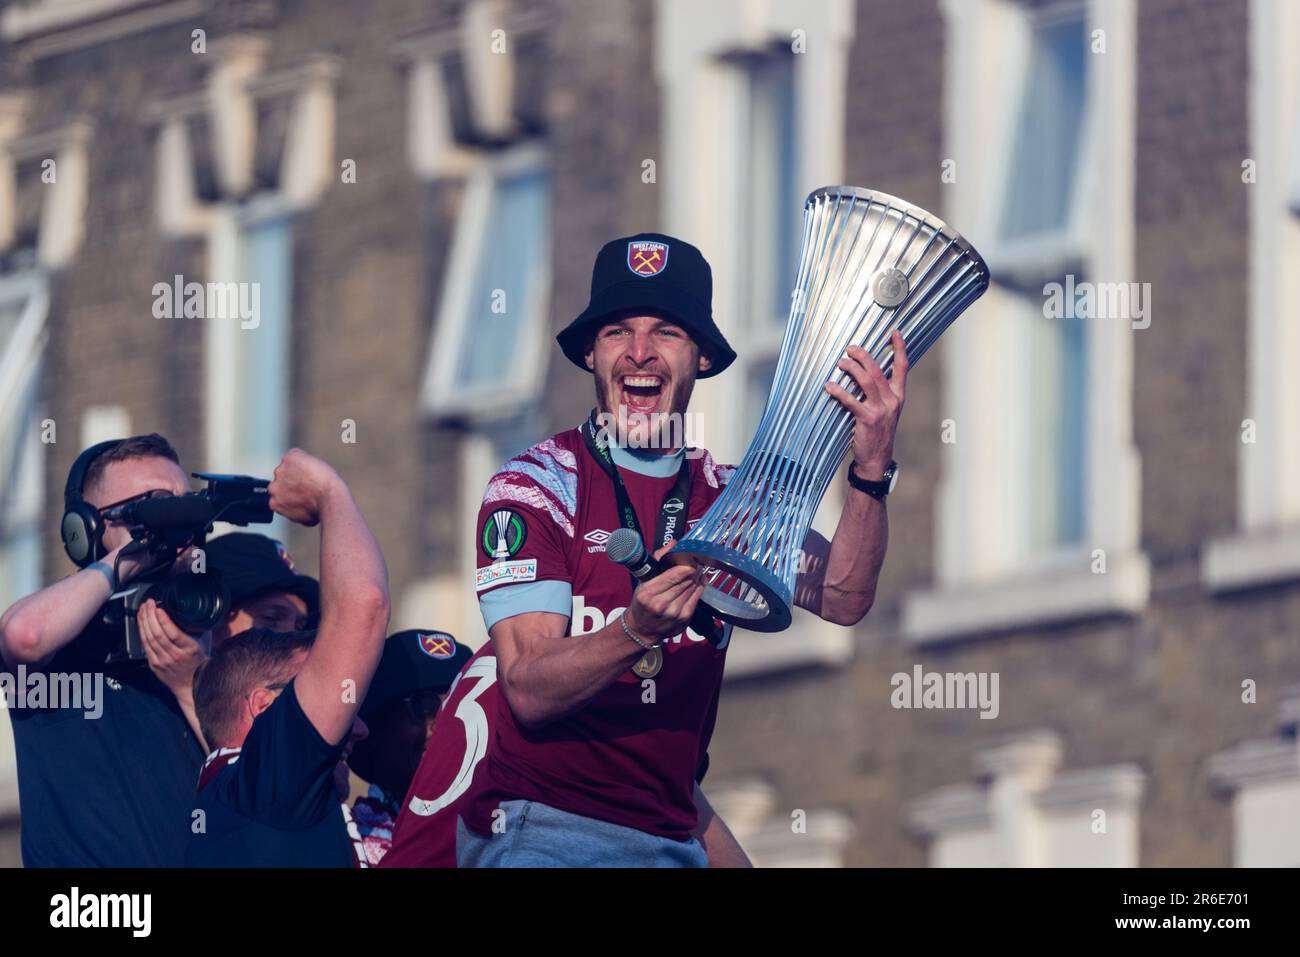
{"x": 877, "y": 490}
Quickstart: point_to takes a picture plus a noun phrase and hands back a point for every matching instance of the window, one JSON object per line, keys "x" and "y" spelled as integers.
{"x": 248, "y": 339}
{"x": 1266, "y": 546}
{"x": 1042, "y": 183}
{"x": 1039, "y": 498}
{"x": 771, "y": 204}
{"x": 1039, "y": 243}
{"x": 486, "y": 358}
{"x": 1293, "y": 194}
{"x": 749, "y": 128}
{"x": 24, "y": 301}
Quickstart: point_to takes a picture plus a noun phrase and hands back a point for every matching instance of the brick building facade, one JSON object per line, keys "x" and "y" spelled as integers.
{"x": 381, "y": 169}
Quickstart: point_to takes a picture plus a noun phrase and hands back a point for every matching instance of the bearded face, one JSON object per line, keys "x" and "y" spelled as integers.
{"x": 645, "y": 369}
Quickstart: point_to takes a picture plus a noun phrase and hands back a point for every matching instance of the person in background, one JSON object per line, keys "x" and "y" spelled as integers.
{"x": 266, "y": 590}
{"x": 414, "y": 675}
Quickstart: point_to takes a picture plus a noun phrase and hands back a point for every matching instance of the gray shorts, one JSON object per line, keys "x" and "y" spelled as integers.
{"x": 536, "y": 835}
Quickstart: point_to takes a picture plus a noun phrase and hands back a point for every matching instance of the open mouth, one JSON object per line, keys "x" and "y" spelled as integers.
{"x": 642, "y": 392}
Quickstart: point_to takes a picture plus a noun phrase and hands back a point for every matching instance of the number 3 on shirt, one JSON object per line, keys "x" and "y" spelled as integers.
{"x": 472, "y": 715}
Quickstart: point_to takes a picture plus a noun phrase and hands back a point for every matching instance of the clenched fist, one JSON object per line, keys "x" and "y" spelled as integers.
{"x": 300, "y": 485}
{"x": 662, "y": 606}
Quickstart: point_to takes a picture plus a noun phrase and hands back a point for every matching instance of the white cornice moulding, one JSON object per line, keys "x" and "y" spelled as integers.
{"x": 1033, "y": 756}
{"x": 1252, "y": 559}
{"x": 54, "y": 27}
{"x": 13, "y": 115}
{"x": 808, "y": 642}
{"x": 63, "y": 205}
{"x": 307, "y": 164}
{"x": 432, "y": 149}
{"x": 950, "y": 613}
{"x": 232, "y": 110}
{"x": 230, "y": 101}
{"x": 956, "y": 808}
{"x": 1254, "y": 762}
{"x": 1120, "y": 784}
{"x": 431, "y": 146}
{"x": 1020, "y": 794}
{"x": 820, "y": 844}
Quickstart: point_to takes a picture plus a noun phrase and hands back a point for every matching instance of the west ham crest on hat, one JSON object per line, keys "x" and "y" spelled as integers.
{"x": 646, "y": 257}
{"x": 438, "y": 645}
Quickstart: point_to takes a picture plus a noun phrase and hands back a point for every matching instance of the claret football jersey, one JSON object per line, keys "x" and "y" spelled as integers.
{"x": 630, "y": 755}
{"x": 425, "y": 832}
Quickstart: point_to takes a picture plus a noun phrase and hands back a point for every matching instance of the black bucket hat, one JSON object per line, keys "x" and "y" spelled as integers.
{"x": 654, "y": 273}
{"x": 413, "y": 661}
{"x": 253, "y": 564}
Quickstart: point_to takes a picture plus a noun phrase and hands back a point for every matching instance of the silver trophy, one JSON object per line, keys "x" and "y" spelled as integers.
{"x": 869, "y": 264}
{"x": 501, "y": 520}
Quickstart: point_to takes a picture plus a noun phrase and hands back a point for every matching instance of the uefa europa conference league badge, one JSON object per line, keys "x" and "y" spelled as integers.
{"x": 870, "y": 264}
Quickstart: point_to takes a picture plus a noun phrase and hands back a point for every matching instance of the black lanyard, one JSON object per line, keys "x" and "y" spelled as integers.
{"x": 672, "y": 514}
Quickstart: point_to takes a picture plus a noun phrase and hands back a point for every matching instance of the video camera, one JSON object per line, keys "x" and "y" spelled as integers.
{"x": 161, "y": 528}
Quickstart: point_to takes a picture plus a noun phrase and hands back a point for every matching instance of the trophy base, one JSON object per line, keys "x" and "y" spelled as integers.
{"x": 765, "y": 604}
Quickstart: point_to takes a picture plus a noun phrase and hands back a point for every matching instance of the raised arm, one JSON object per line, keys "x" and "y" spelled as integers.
{"x": 838, "y": 579}
{"x": 354, "y": 592}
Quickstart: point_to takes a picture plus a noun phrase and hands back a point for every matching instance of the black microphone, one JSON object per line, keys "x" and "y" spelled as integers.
{"x": 166, "y": 512}
{"x": 625, "y": 547}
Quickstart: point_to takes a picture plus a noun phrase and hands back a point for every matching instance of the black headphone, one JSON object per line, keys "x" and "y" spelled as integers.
{"x": 82, "y": 527}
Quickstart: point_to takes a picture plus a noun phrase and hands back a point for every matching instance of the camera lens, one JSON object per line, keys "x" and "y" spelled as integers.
{"x": 195, "y": 602}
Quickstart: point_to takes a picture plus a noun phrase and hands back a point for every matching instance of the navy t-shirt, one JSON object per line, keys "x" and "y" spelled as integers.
{"x": 275, "y": 805}
{"x": 109, "y": 791}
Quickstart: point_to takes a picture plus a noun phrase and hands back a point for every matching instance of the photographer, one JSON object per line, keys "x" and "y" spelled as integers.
{"x": 281, "y": 709}
{"x": 114, "y": 788}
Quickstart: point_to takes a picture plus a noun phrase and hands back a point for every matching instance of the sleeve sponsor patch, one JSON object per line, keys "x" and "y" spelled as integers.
{"x": 501, "y": 572}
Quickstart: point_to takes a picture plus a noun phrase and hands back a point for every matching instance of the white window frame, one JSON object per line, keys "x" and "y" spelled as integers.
{"x": 1265, "y": 548}
{"x": 52, "y": 27}
{"x": 441, "y": 395}
{"x": 704, "y": 103}
{"x": 984, "y": 581}
{"x": 221, "y": 401}
{"x": 20, "y": 366}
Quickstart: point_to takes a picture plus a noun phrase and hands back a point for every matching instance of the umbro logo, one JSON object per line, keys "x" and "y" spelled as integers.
{"x": 597, "y": 538}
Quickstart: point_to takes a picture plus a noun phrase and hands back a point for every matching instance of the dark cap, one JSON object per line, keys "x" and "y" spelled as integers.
{"x": 654, "y": 273}
{"x": 414, "y": 661}
{"x": 252, "y": 564}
